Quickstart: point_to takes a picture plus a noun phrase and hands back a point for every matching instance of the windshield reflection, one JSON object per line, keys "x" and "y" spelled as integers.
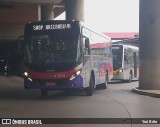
{"x": 117, "y": 57}
{"x": 43, "y": 49}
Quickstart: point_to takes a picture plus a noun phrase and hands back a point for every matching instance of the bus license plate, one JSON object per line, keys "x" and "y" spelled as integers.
{"x": 50, "y": 84}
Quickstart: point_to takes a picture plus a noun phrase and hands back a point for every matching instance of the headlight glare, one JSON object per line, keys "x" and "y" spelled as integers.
{"x": 26, "y": 74}
{"x": 78, "y": 72}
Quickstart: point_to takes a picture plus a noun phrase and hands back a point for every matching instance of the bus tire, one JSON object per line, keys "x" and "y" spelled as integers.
{"x": 89, "y": 90}
{"x": 130, "y": 78}
{"x": 44, "y": 92}
{"x": 105, "y": 84}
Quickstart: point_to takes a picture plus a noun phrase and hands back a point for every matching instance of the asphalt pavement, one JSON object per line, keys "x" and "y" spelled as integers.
{"x": 118, "y": 101}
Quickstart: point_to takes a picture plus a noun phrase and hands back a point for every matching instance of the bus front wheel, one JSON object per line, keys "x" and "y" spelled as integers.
{"x": 105, "y": 84}
{"x": 130, "y": 78}
{"x": 89, "y": 90}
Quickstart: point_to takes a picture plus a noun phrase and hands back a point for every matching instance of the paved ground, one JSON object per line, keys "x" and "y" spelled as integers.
{"x": 118, "y": 101}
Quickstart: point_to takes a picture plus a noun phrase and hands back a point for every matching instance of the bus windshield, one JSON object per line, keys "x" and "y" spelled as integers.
{"x": 117, "y": 56}
{"x": 45, "y": 49}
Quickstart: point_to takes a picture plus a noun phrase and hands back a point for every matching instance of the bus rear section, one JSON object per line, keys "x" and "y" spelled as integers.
{"x": 58, "y": 57}
{"x": 125, "y": 62}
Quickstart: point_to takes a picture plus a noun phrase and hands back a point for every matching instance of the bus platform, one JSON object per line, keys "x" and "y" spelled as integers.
{"x": 152, "y": 93}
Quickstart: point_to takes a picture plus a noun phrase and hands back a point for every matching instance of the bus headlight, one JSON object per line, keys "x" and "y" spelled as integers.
{"x": 72, "y": 76}
{"x": 5, "y": 67}
{"x": 118, "y": 72}
{"x": 75, "y": 74}
{"x": 26, "y": 74}
{"x": 78, "y": 72}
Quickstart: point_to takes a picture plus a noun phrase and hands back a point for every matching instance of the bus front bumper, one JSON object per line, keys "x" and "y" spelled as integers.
{"x": 118, "y": 77}
{"x": 76, "y": 83}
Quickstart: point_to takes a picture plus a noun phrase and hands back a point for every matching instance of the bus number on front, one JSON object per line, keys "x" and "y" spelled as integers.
{"x": 37, "y": 27}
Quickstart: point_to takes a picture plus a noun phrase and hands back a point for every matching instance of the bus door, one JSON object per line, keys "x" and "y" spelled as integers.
{"x": 86, "y": 61}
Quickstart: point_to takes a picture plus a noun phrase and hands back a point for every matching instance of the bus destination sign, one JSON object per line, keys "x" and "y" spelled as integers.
{"x": 41, "y": 27}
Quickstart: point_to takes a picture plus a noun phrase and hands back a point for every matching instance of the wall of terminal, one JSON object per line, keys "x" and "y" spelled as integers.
{"x": 18, "y": 14}
{"x": 14, "y": 16}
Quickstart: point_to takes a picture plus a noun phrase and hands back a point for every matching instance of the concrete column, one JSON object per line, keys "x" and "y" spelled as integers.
{"x": 149, "y": 31}
{"x": 47, "y": 12}
{"x": 74, "y": 9}
{"x": 39, "y": 12}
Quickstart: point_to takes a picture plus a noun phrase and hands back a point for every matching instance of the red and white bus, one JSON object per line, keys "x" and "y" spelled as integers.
{"x": 62, "y": 55}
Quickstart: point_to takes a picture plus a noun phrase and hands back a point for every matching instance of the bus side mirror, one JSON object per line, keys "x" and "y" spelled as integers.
{"x": 87, "y": 45}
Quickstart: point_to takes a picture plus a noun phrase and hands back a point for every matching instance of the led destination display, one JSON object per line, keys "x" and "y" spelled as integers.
{"x": 51, "y": 27}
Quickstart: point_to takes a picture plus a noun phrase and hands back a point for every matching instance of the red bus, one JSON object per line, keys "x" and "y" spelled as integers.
{"x": 62, "y": 55}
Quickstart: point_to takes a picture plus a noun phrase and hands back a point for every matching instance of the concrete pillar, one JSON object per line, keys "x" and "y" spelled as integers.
{"x": 149, "y": 31}
{"x": 74, "y": 9}
{"x": 47, "y": 12}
